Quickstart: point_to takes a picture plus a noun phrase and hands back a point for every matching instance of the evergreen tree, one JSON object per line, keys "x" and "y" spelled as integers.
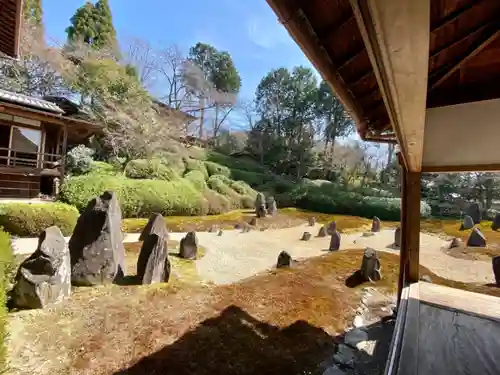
{"x": 93, "y": 25}
{"x": 106, "y": 33}
{"x": 32, "y": 12}
{"x": 83, "y": 27}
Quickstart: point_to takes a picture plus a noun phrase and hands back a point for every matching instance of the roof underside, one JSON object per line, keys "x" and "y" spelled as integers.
{"x": 464, "y": 55}
{"x": 10, "y": 12}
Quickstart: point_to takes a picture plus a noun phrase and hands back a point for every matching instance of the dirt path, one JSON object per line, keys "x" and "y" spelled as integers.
{"x": 235, "y": 255}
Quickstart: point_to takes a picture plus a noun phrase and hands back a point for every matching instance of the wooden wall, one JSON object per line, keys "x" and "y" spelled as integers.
{"x": 19, "y": 186}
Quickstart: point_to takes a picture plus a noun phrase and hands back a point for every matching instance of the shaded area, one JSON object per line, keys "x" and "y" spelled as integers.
{"x": 234, "y": 342}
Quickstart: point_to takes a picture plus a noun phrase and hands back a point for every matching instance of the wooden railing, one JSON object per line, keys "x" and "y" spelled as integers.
{"x": 17, "y": 158}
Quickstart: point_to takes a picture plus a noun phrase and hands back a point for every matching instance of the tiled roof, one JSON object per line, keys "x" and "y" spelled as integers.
{"x": 29, "y": 101}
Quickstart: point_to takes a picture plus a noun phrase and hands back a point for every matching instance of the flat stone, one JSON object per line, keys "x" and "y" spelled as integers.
{"x": 96, "y": 246}
{"x": 367, "y": 346}
{"x": 355, "y": 336}
{"x": 358, "y": 321}
{"x": 44, "y": 278}
{"x": 344, "y": 355}
{"x": 333, "y": 370}
{"x": 368, "y": 234}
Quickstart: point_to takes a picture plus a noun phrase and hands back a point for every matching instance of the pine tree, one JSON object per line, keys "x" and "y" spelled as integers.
{"x": 32, "y": 12}
{"x": 83, "y": 26}
{"x": 106, "y": 33}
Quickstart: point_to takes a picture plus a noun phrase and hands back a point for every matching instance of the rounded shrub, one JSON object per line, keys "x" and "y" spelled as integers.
{"x": 251, "y": 178}
{"x": 30, "y": 219}
{"x": 243, "y": 188}
{"x": 216, "y": 203}
{"x": 149, "y": 169}
{"x": 220, "y": 184}
{"x": 79, "y": 159}
{"x": 217, "y": 169}
{"x": 100, "y": 167}
{"x": 197, "y": 179}
{"x": 138, "y": 198}
{"x": 196, "y": 165}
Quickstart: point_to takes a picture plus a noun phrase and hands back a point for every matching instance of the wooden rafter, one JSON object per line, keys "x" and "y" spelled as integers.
{"x": 454, "y": 15}
{"x": 332, "y": 29}
{"x": 351, "y": 58}
{"x": 363, "y": 76}
{"x": 474, "y": 51}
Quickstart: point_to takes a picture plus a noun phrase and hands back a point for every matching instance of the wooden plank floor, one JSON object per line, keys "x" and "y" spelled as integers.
{"x": 449, "y": 331}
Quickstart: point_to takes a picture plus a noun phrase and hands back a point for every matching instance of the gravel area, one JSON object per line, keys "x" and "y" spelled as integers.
{"x": 236, "y": 255}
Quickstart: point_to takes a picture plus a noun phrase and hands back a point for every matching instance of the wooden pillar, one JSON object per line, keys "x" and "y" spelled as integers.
{"x": 410, "y": 227}
{"x": 64, "y": 151}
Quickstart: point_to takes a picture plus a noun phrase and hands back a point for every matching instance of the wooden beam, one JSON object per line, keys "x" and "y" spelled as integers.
{"x": 461, "y": 168}
{"x": 396, "y": 36}
{"x": 351, "y": 58}
{"x": 454, "y": 15}
{"x": 477, "y": 49}
{"x": 334, "y": 28}
{"x": 17, "y": 36}
{"x": 403, "y": 254}
{"x": 411, "y": 229}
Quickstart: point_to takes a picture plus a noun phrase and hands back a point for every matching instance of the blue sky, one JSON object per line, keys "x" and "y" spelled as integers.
{"x": 247, "y": 29}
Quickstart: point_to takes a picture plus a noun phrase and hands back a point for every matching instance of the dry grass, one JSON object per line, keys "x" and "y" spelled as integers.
{"x": 277, "y": 322}
{"x": 223, "y": 221}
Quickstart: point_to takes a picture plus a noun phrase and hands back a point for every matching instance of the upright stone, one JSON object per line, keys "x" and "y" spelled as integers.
{"x": 213, "y": 228}
{"x": 284, "y": 260}
{"x": 260, "y": 205}
{"x": 335, "y": 242}
{"x": 376, "y": 225}
{"x": 476, "y": 239}
{"x": 467, "y": 223}
{"x": 332, "y": 228}
{"x": 456, "y": 242}
{"x": 272, "y": 208}
{"x": 189, "y": 246}
{"x": 45, "y": 277}
{"x": 370, "y": 266}
{"x": 475, "y": 212}
{"x": 312, "y": 221}
{"x": 495, "y": 225}
{"x": 306, "y": 236}
{"x": 322, "y": 231}
{"x": 153, "y": 265}
{"x": 96, "y": 246}
{"x": 397, "y": 237}
{"x": 253, "y": 221}
{"x": 496, "y": 269}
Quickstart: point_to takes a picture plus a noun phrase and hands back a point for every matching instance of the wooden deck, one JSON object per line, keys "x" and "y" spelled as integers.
{"x": 441, "y": 331}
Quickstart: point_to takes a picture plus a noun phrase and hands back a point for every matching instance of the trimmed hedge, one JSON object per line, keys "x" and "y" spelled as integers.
{"x": 150, "y": 169}
{"x": 6, "y": 267}
{"x": 253, "y": 179}
{"x": 197, "y": 179}
{"x": 137, "y": 197}
{"x": 29, "y": 220}
{"x": 242, "y": 188}
{"x": 214, "y": 168}
{"x": 196, "y": 165}
{"x": 222, "y": 185}
{"x": 100, "y": 167}
{"x": 235, "y": 162}
{"x": 216, "y": 203}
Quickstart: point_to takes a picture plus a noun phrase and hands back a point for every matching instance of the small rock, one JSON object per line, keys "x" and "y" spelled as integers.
{"x": 358, "y": 321}
{"x": 476, "y": 239}
{"x": 253, "y": 222}
{"x": 467, "y": 223}
{"x": 456, "y": 242}
{"x": 344, "y": 356}
{"x": 306, "y": 236}
{"x": 335, "y": 242}
{"x": 367, "y": 346}
{"x": 284, "y": 260}
{"x": 220, "y": 233}
{"x": 312, "y": 221}
{"x": 238, "y": 226}
{"x": 368, "y": 234}
{"x": 354, "y": 337}
{"x": 213, "y": 229}
{"x": 426, "y": 278}
{"x": 322, "y": 232}
{"x": 376, "y": 225}
{"x": 189, "y": 246}
{"x": 397, "y": 237}
{"x": 272, "y": 208}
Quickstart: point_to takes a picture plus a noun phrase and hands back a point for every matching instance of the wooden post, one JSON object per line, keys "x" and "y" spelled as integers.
{"x": 64, "y": 150}
{"x": 410, "y": 227}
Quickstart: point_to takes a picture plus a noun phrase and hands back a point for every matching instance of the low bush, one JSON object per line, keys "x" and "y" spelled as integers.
{"x": 223, "y": 185}
{"x": 29, "y": 220}
{"x": 197, "y": 179}
{"x": 174, "y": 161}
{"x": 236, "y": 162}
{"x": 242, "y": 188}
{"x": 100, "y": 167}
{"x": 6, "y": 267}
{"x": 149, "y": 169}
{"x": 137, "y": 197}
{"x": 214, "y": 168}
{"x": 196, "y": 165}
{"x": 216, "y": 203}
{"x": 253, "y": 179}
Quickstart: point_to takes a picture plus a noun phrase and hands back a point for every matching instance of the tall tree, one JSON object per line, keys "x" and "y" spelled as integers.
{"x": 32, "y": 12}
{"x": 214, "y": 79}
{"x": 93, "y": 25}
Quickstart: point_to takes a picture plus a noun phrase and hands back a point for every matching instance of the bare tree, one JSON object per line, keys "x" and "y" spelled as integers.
{"x": 140, "y": 54}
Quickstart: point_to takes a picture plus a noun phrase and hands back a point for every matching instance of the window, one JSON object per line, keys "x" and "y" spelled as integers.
{"x": 25, "y": 144}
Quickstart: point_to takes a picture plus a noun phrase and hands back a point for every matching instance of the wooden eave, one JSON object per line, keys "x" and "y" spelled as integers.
{"x": 10, "y": 24}
{"x": 341, "y": 41}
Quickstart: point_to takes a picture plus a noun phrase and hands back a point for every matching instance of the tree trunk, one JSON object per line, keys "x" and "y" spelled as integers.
{"x": 216, "y": 123}
{"x": 202, "y": 117}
